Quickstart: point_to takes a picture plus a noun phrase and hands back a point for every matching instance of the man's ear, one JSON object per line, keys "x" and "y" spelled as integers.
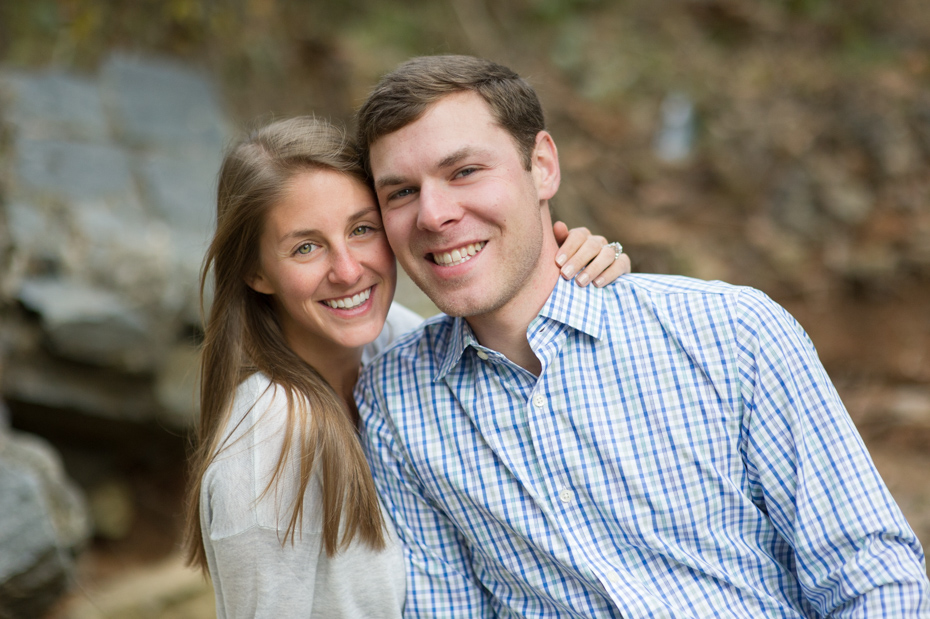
{"x": 545, "y": 162}
{"x": 259, "y": 283}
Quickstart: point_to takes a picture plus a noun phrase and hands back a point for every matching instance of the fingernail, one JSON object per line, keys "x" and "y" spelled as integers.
{"x": 568, "y": 270}
{"x": 599, "y": 282}
{"x": 560, "y": 259}
{"x": 582, "y": 279}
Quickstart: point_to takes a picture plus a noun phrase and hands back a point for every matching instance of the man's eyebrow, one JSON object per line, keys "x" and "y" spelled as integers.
{"x": 453, "y": 158}
{"x": 389, "y": 181}
{"x": 446, "y": 162}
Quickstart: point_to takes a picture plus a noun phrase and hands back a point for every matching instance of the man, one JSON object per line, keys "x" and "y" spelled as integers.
{"x": 659, "y": 447}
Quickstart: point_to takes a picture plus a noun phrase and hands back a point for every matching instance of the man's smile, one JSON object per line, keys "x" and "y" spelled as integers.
{"x": 457, "y": 256}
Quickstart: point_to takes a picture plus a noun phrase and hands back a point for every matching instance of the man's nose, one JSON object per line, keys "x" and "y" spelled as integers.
{"x": 438, "y": 207}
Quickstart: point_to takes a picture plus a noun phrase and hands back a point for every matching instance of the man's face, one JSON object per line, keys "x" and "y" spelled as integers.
{"x": 464, "y": 217}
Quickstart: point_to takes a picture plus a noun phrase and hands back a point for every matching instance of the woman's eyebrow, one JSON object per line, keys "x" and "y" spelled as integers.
{"x": 295, "y": 234}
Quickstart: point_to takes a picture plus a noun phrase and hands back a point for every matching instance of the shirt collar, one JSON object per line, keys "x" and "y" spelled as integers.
{"x": 576, "y": 307}
{"x": 460, "y": 336}
{"x": 579, "y": 308}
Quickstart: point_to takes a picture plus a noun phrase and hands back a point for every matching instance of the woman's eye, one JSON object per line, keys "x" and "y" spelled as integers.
{"x": 360, "y": 230}
{"x": 305, "y": 249}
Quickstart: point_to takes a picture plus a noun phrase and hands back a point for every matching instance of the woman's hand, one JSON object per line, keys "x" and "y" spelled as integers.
{"x": 579, "y": 250}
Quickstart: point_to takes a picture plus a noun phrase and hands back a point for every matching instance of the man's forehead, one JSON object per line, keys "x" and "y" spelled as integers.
{"x": 479, "y": 111}
{"x": 455, "y": 118}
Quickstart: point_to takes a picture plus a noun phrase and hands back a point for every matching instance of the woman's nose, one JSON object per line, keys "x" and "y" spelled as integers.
{"x": 345, "y": 268}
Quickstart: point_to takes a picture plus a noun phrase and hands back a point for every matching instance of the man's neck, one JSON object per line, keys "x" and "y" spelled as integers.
{"x": 504, "y": 329}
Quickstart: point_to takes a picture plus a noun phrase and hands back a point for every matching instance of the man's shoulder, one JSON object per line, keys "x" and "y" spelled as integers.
{"x": 673, "y": 299}
{"x": 650, "y": 289}
{"x": 658, "y": 284}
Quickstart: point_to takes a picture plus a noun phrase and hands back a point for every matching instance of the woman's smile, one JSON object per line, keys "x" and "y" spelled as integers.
{"x": 327, "y": 265}
{"x": 349, "y": 302}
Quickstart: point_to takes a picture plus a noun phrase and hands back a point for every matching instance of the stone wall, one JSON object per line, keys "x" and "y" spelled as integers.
{"x": 107, "y": 201}
{"x": 108, "y": 195}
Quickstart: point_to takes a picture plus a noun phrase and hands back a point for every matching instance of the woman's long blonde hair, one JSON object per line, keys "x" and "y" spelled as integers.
{"x": 243, "y": 336}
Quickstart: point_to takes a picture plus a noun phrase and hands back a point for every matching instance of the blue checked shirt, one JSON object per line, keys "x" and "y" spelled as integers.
{"x": 682, "y": 454}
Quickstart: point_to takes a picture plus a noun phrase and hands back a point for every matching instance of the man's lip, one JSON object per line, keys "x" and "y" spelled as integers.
{"x": 479, "y": 246}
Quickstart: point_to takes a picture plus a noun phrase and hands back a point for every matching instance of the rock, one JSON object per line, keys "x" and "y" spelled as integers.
{"x": 43, "y": 523}
{"x": 161, "y": 105}
{"x": 89, "y": 324}
{"x": 74, "y": 173}
{"x": 37, "y": 378}
{"x": 36, "y": 236}
{"x": 108, "y": 191}
{"x": 55, "y": 106}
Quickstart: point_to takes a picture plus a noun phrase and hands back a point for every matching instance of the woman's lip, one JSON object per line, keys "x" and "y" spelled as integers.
{"x": 357, "y": 300}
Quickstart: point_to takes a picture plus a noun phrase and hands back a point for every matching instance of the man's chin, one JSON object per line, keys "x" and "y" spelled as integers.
{"x": 461, "y": 303}
{"x": 462, "y": 298}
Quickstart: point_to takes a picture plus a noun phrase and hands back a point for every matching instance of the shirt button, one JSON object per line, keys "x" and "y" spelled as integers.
{"x": 539, "y": 401}
{"x": 566, "y": 495}
{"x": 614, "y": 578}
{"x": 482, "y": 355}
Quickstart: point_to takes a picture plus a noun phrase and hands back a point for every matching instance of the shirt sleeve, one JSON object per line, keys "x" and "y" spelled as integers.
{"x": 440, "y": 578}
{"x": 854, "y": 553}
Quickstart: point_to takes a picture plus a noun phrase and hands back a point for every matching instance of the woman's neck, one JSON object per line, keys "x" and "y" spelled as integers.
{"x": 340, "y": 368}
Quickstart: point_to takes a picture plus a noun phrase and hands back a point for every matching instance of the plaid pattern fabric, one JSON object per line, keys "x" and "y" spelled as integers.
{"x": 682, "y": 454}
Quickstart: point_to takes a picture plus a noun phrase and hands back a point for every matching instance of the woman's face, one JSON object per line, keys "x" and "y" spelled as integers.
{"x": 326, "y": 261}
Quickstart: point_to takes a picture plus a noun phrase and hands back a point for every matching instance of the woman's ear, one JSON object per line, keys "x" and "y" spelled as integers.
{"x": 545, "y": 162}
{"x": 259, "y": 283}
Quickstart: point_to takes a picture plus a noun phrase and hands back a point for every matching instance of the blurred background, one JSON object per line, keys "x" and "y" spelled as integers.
{"x": 782, "y": 144}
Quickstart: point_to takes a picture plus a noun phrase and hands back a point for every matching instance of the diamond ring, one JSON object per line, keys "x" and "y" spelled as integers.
{"x": 618, "y": 249}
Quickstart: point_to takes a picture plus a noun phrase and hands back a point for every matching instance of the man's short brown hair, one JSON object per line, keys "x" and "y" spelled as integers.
{"x": 404, "y": 94}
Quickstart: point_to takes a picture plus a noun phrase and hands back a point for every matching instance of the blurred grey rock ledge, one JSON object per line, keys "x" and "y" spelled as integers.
{"x": 107, "y": 198}
{"x": 43, "y": 524}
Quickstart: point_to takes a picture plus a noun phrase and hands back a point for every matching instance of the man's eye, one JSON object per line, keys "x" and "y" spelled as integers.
{"x": 361, "y": 230}
{"x": 403, "y": 193}
{"x": 465, "y": 172}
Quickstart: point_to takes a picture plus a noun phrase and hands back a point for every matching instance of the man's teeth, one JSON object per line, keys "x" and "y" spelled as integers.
{"x": 349, "y": 302}
{"x": 458, "y": 256}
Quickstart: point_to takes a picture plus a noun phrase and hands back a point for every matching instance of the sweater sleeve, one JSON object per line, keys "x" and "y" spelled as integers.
{"x": 254, "y": 574}
{"x": 256, "y": 570}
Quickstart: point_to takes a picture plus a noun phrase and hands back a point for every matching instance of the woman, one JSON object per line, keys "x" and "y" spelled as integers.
{"x": 283, "y": 511}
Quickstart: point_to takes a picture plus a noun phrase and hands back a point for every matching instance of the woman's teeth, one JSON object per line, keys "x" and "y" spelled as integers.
{"x": 458, "y": 256}
{"x": 349, "y": 302}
